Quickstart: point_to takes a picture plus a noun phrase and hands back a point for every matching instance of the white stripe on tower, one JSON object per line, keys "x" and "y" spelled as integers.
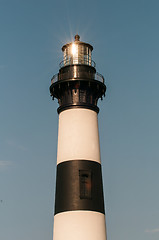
{"x": 79, "y": 225}
{"x": 78, "y": 136}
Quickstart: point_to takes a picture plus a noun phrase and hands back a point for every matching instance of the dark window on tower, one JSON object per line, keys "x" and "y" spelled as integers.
{"x": 85, "y": 177}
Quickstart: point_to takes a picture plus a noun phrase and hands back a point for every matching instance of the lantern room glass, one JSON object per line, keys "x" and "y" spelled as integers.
{"x": 76, "y": 53}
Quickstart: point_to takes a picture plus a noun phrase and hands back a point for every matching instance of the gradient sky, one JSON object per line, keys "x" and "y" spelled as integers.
{"x": 125, "y": 37}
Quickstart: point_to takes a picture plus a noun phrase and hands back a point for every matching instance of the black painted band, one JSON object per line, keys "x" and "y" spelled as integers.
{"x": 79, "y": 186}
{"x": 79, "y": 105}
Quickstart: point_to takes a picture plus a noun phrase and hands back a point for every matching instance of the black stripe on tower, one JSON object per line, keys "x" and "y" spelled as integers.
{"x": 79, "y": 186}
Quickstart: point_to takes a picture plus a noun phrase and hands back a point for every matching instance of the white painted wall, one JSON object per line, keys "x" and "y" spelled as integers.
{"x": 78, "y": 136}
{"x": 79, "y": 225}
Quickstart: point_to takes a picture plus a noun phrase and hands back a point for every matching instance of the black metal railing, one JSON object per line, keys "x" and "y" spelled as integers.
{"x": 80, "y": 76}
{"x": 77, "y": 60}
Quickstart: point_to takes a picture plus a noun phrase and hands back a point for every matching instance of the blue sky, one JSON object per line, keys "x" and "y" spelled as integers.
{"x": 125, "y": 38}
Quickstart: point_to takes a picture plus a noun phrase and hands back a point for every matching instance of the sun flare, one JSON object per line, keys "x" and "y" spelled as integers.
{"x": 74, "y": 49}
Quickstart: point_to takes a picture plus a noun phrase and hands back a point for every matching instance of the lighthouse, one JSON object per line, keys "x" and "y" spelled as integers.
{"x": 79, "y": 212}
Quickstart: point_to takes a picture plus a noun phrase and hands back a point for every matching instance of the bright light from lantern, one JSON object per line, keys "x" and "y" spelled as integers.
{"x": 74, "y": 49}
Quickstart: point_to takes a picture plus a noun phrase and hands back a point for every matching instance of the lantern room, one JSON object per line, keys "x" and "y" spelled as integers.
{"x": 77, "y": 52}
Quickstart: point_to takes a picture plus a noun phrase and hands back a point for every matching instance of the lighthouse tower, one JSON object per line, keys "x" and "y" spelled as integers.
{"x": 79, "y": 203}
